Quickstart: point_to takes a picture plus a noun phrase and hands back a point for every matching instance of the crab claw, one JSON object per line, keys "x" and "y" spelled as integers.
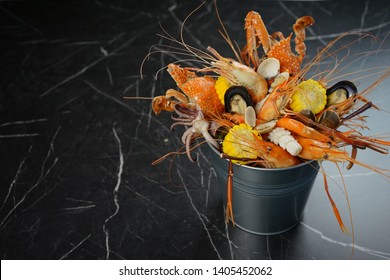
{"x": 199, "y": 89}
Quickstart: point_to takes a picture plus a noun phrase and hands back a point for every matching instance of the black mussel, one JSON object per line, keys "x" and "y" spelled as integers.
{"x": 184, "y": 110}
{"x": 340, "y": 92}
{"x": 237, "y": 99}
{"x": 308, "y": 114}
{"x": 330, "y": 119}
{"x": 309, "y": 117}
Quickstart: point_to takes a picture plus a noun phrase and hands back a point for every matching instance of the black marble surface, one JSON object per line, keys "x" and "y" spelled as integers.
{"x": 76, "y": 175}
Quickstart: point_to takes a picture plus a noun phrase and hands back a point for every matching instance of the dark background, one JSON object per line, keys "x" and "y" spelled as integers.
{"x": 76, "y": 175}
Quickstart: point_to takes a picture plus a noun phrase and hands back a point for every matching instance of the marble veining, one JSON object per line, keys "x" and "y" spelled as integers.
{"x": 76, "y": 155}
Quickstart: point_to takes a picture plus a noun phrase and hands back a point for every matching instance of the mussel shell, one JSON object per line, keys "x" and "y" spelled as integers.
{"x": 184, "y": 110}
{"x": 330, "y": 119}
{"x": 340, "y": 92}
{"x": 234, "y": 97}
{"x": 308, "y": 114}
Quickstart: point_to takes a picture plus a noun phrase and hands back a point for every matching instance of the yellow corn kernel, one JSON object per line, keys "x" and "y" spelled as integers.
{"x": 309, "y": 95}
{"x": 239, "y": 142}
{"x": 221, "y": 86}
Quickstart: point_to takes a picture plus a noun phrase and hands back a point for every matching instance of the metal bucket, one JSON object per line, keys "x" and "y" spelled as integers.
{"x": 266, "y": 201}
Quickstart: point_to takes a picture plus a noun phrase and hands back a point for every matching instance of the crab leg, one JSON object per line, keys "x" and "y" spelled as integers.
{"x": 300, "y": 34}
{"x": 256, "y": 35}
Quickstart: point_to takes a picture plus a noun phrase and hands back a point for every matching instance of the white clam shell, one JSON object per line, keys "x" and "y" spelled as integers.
{"x": 269, "y": 68}
{"x": 279, "y": 79}
{"x": 250, "y": 116}
{"x": 266, "y": 127}
{"x": 260, "y": 104}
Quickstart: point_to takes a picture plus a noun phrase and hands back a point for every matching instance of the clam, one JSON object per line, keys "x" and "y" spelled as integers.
{"x": 237, "y": 99}
{"x": 250, "y": 116}
{"x": 340, "y": 92}
{"x": 260, "y": 104}
{"x": 265, "y": 127}
{"x": 279, "y": 79}
{"x": 269, "y": 68}
{"x": 330, "y": 119}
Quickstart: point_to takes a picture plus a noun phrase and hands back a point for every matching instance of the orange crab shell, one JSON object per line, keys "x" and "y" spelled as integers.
{"x": 200, "y": 90}
{"x": 288, "y": 61}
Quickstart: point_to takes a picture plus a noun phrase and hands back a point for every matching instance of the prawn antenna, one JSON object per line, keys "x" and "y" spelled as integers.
{"x": 225, "y": 34}
{"x": 189, "y": 49}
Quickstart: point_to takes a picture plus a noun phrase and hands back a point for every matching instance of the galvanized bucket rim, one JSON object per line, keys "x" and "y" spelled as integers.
{"x": 264, "y": 168}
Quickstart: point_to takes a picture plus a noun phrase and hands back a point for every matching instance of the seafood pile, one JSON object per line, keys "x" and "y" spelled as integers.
{"x": 259, "y": 109}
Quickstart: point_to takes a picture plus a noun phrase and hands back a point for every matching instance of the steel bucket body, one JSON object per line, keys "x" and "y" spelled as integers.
{"x": 266, "y": 201}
